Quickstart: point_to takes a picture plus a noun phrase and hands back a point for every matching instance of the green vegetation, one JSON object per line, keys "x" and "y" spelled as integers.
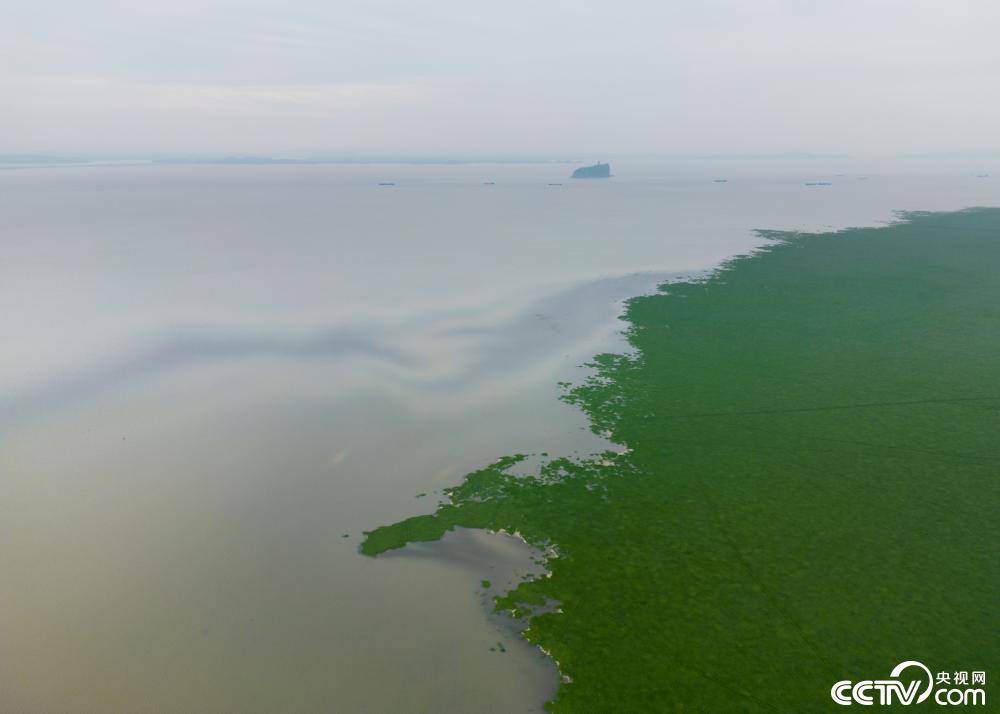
{"x": 810, "y": 488}
{"x": 486, "y": 584}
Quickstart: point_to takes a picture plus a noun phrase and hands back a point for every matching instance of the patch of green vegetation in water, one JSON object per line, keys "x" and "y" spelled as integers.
{"x": 811, "y": 483}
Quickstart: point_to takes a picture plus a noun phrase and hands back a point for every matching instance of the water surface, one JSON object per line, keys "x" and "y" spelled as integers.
{"x": 211, "y": 375}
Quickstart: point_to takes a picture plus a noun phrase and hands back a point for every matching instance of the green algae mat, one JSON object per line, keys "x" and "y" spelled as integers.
{"x": 810, "y": 488}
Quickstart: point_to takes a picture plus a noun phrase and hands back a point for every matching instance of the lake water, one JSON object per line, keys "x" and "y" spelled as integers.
{"x": 211, "y": 374}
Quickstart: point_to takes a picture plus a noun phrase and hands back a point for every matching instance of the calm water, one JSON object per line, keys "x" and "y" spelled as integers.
{"x": 210, "y": 375}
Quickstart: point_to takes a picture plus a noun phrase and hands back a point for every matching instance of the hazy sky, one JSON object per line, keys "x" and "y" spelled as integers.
{"x": 559, "y": 78}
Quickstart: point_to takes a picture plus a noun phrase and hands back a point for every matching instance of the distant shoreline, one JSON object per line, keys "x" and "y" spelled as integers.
{"x": 37, "y": 160}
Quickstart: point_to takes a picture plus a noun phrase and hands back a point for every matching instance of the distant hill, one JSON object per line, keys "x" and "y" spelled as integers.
{"x": 35, "y": 159}
{"x": 595, "y": 171}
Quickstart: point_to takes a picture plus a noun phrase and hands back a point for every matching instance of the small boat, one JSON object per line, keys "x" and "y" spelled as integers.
{"x": 818, "y": 183}
{"x": 489, "y": 183}
{"x": 386, "y": 183}
{"x": 982, "y": 175}
{"x": 720, "y": 180}
{"x": 555, "y": 184}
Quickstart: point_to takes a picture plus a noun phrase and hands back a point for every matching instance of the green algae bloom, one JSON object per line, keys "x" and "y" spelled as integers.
{"x": 810, "y": 487}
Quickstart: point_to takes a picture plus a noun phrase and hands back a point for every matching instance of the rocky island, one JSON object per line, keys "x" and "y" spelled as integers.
{"x": 595, "y": 171}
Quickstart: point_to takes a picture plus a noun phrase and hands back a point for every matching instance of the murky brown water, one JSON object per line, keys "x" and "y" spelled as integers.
{"x": 210, "y": 376}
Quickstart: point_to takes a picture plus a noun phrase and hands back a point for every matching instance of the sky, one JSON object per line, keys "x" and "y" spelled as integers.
{"x": 511, "y": 78}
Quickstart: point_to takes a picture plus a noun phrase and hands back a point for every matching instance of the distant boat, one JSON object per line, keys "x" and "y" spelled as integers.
{"x": 386, "y": 183}
{"x": 720, "y": 180}
{"x": 489, "y": 183}
{"x": 982, "y": 175}
{"x": 555, "y": 184}
{"x": 818, "y": 183}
